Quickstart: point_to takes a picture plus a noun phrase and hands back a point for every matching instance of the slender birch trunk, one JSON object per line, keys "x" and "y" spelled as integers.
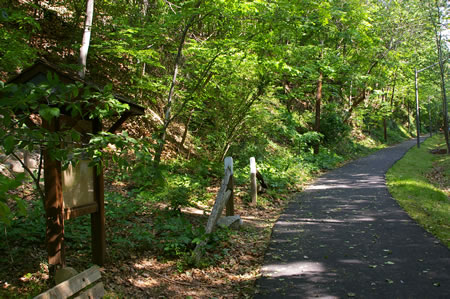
{"x": 86, "y": 38}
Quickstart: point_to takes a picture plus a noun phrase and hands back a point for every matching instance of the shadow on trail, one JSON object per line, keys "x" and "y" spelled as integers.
{"x": 346, "y": 237}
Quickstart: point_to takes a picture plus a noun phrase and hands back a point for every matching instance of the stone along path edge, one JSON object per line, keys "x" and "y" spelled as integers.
{"x": 345, "y": 236}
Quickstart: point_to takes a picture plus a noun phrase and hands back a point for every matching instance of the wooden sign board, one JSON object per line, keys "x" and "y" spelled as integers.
{"x": 78, "y": 185}
{"x": 78, "y": 179}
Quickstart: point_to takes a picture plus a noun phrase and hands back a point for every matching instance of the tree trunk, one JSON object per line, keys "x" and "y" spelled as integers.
{"x": 318, "y": 106}
{"x": 185, "y": 132}
{"x": 144, "y": 7}
{"x": 167, "y": 114}
{"x": 350, "y": 98}
{"x": 438, "y": 37}
{"x": 393, "y": 91}
{"x": 385, "y": 129}
{"x": 409, "y": 121}
{"x": 445, "y": 107}
{"x": 86, "y": 38}
{"x": 383, "y": 98}
{"x": 444, "y": 96}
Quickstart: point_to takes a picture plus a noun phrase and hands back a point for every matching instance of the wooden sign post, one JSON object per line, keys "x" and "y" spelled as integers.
{"x": 78, "y": 190}
{"x": 253, "y": 185}
{"x": 70, "y": 193}
{"x": 53, "y": 204}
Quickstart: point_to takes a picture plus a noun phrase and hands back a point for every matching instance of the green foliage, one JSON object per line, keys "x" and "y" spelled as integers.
{"x": 15, "y": 30}
{"x": 24, "y": 230}
{"x": 171, "y": 233}
{"x": 176, "y": 236}
{"x": 332, "y": 124}
{"x": 49, "y": 98}
{"x": 6, "y": 186}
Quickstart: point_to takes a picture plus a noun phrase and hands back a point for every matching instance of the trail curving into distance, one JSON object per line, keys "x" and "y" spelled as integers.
{"x": 345, "y": 236}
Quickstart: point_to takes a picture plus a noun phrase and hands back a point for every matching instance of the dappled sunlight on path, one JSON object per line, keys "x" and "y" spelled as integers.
{"x": 346, "y": 237}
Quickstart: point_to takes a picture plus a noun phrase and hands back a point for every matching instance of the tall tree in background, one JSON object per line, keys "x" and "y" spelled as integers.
{"x": 177, "y": 64}
{"x": 438, "y": 17}
{"x": 86, "y": 37}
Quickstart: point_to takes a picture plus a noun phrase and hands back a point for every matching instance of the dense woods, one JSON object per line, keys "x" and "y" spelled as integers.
{"x": 300, "y": 85}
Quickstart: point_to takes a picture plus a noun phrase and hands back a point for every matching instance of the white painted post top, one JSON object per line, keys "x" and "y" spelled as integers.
{"x": 228, "y": 164}
{"x": 252, "y": 165}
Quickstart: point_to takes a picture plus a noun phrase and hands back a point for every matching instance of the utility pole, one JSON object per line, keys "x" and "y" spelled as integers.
{"x": 429, "y": 116}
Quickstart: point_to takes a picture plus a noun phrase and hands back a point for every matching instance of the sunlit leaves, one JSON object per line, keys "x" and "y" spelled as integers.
{"x": 14, "y": 50}
{"x": 48, "y": 113}
{"x": 6, "y": 186}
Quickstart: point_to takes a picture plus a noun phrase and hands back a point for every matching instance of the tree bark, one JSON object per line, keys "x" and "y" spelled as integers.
{"x": 185, "y": 132}
{"x": 318, "y": 106}
{"x": 167, "y": 113}
{"x": 409, "y": 121}
{"x": 393, "y": 90}
{"x": 438, "y": 38}
{"x": 383, "y": 99}
{"x": 86, "y": 38}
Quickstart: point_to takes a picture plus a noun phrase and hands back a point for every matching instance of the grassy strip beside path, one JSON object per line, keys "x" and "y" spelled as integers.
{"x": 420, "y": 182}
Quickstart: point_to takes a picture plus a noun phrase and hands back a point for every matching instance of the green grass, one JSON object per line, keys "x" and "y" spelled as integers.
{"x": 420, "y": 189}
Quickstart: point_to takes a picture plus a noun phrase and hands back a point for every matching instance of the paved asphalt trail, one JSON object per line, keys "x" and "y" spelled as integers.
{"x": 345, "y": 236}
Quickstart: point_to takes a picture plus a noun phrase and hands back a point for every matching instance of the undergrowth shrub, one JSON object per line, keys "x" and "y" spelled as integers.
{"x": 26, "y": 230}
{"x": 332, "y": 124}
{"x": 175, "y": 235}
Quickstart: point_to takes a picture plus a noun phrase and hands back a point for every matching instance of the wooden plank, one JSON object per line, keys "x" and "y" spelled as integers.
{"x": 53, "y": 204}
{"x": 224, "y": 197}
{"x": 217, "y": 211}
{"x": 228, "y": 164}
{"x": 70, "y": 213}
{"x": 119, "y": 122}
{"x": 73, "y": 285}
{"x": 97, "y": 291}
{"x": 98, "y": 234}
{"x": 230, "y": 202}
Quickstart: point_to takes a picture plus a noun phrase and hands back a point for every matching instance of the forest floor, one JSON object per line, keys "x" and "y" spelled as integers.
{"x": 236, "y": 266}
{"x": 132, "y": 272}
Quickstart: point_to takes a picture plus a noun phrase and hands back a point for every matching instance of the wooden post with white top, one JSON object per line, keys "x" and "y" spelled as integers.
{"x": 253, "y": 185}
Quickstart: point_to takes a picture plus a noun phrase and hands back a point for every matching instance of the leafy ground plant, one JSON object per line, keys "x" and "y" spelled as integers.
{"x": 420, "y": 183}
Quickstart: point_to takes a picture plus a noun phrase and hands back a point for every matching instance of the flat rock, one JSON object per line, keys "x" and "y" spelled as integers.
{"x": 234, "y": 222}
{"x": 64, "y": 274}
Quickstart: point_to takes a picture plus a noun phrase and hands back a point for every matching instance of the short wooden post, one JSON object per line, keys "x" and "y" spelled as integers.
{"x": 253, "y": 186}
{"x": 228, "y": 163}
{"x": 53, "y": 205}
